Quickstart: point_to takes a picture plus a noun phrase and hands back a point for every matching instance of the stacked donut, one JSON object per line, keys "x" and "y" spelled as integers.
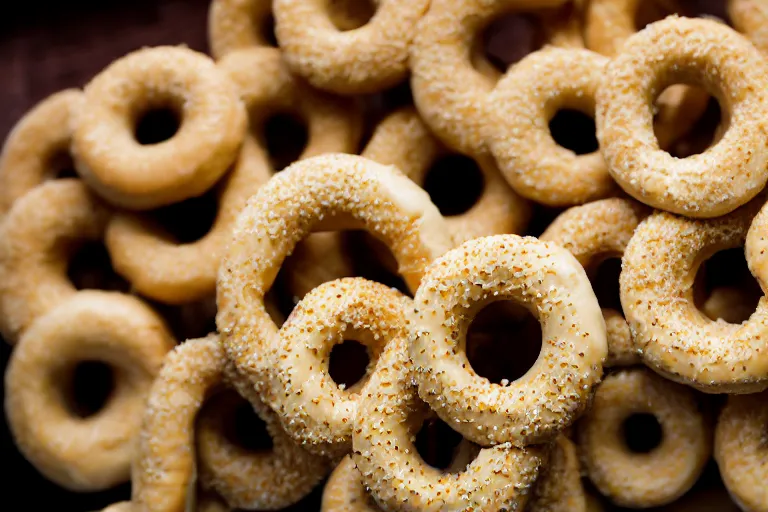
{"x": 162, "y": 133}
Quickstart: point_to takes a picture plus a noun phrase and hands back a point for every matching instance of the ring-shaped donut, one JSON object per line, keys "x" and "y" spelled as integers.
{"x": 369, "y": 59}
{"x": 674, "y": 337}
{"x": 524, "y": 102}
{"x": 552, "y": 285}
{"x": 741, "y": 450}
{"x": 642, "y": 480}
{"x": 559, "y": 488}
{"x": 212, "y": 123}
{"x": 159, "y": 267}
{"x": 34, "y": 144}
{"x": 756, "y": 248}
{"x": 325, "y": 192}
{"x": 94, "y": 452}
{"x": 344, "y": 491}
{"x": 37, "y": 237}
{"x": 403, "y": 140}
{"x": 388, "y": 418}
{"x": 164, "y": 462}
{"x": 750, "y": 17}
{"x": 695, "y": 51}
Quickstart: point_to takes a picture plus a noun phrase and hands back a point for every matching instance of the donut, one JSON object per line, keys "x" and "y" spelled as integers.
{"x": 37, "y": 237}
{"x": 165, "y": 270}
{"x": 326, "y": 192}
{"x": 164, "y": 462}
{"x": 524, "y": 101}
{"x": 756, "y": 248}
{"x": 37, "y": 148}
{"x": 675, "y": 339}
{"x": 403, "y": 140}
{"x": 660, "y": 476}
{"x": 211, "y": 125}
{"x": 697, "y": 51}
{"x": 550, "y": 283}
{"x": 741, "y": 450}
{"x": 344, "y": 492}
{"x": 84, "y": 453}
{"x": 559, "y": 488}
{"x": 369, "y": 59}
{"x": 750, "y": 17}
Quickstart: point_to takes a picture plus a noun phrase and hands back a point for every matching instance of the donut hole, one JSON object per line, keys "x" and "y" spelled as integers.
{"x": 60, "y": 166}
{"x": 90, "y": 268}
{"x": 372, "y": 259}
{"x": 264, "y": 28}
{"x": 509, "y": 38}
{"x": 348, "y": 363}
{"x": 89, "y": 386}
{"x": 605, "y": 283}
{"x": 503, "y": 342}
{"x": 190, "y": 220}
{"x": 642, "y": 433}
{"x": 704, "y": 133}
{"x": 650, "y": 12}
{"x": 454, "y": 184}
{"x": 189, "y": 321}
{"x": 350, "y": 14}
{"x": 156, "y": 125}
{"x": 285, "y": 137}
{"x": 437, "y": 445}
{"x": 574, "y": 130}
{"x": 726, "y": 274}
{"x": 245, "y": 429}
{"x": 541, "y": 218}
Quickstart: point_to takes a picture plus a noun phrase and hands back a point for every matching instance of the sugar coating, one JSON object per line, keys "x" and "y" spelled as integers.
{"x": 741, "y": 450}
{"x": 642, "y": 480}
{"x": 135, "y": 176}
{"x": 551, "y": 284}
{"x": 675, "y": 339}
{"x": 369, "y": 59}
{"x": 499, "y": 478}
{"x": 37, "y": 138}
{"x": 344, "y": 492}
{"x": 756, "y": 248}
{"x": 559, "y": 488}
{"x": 750, "y": 17}
{"x": 403, "y": 140}
{"x": 331, "y": 192}
{"x": 524, "y": 101}
{"x": 697, "y": 51}
{"x": 37, "y": 237}
{"x": 593, "y": 233}
{"x": 93, "y": 453}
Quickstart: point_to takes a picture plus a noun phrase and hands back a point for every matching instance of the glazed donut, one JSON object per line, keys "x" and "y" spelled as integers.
{"x": 38, "y": 146}
{"x": 675, "y": 339}
{"x": 366, "y": 60}
{"x": 174, "y": 273}
{"x": 164, "y": 464}
{"x": 551, "y": 284}
{"x": 212, "y": 122}
{"x": 756, "y": 248}
{"x": 388, "y": 418}
{"x": 750, "y": 17}
{"x": 726, "y": 175}
{"x": 642, "y": 480}
{"x": 37, "y": 237}
{"x": 451, "y": 95}
{"x": 741, "y": 450}
{"x": 94, "y": 452}
{"x": 524, "y": 101}
{"x": 325, "y": 192}
{"x": 560, "y": 489}
{"x": 403, "y": 140}
{"x": 344, "y": 492}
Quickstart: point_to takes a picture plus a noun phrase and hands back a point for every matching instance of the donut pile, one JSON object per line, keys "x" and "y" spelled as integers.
{"x": 162, "y": 128}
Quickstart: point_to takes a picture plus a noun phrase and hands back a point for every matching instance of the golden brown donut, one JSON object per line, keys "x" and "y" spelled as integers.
{"x": 37, "y": 146}
{"x": 344, "y": 492}
{"x": 750, "y": 17}
{"x": 641, "y": 480}
{"x": 38, "y": 236}
{"x": 674, "y": 337}
{"x": 212, "y": 122}
{"x": 741, "y": 450}
{"x": 559, "y": 489}
{"x": 94, "y": 452}
{"x": 726, "y": 175}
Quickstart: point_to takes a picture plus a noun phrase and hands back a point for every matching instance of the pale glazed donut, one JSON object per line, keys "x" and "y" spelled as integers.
{"x": 756, "y": 248}
{"x": 741, "y": 450}
{"x": 750, "y": 17}
{"x": 726, "y": 175}
{"x": 212, "y": 122}
{"x": 524, "y": 101}
{"x": 84, "y": 453}
{"x": 550, "y": 283}
{"x": 403, "y": 140}
{"x": 325, "y": 192}
{"x": 499, "y": 478}
{"x": 174, "y": 273}
{"x": 369, "y": 59}
{"x": 642, "y": 480}
{"x": 344, "y": 492}
{"x": 675, "y": 338}
{"x": 40, "y": 137}
{"x": 450, "y": 93}
{"x": 560, "y": 489}
{"x": 37, "y": 237}
{"x": 593, "y": 233}
{"x": 164, "y": 464}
